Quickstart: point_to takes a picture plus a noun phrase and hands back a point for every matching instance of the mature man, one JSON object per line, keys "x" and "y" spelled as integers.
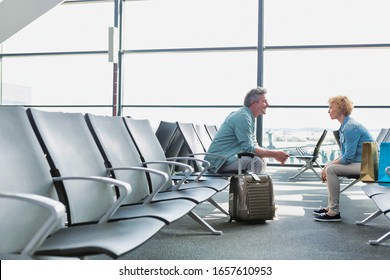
{"x": 237, "y": 134}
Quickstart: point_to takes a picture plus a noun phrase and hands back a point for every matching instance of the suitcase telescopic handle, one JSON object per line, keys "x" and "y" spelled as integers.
{"x": 240, "y": 155}
{"x": 245, "y": 154}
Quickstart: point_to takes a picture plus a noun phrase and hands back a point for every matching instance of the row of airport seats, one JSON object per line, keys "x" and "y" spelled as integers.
{"x": 383, "y": 136}
{"x": 178, "y": 139}
{"x": 186, "y": 139}
{"x": 378, "y": 192}
{"x": 73, "y": 185}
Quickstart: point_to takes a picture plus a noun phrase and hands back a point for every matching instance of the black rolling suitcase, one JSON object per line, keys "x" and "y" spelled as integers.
{"x": 251, "y": 197}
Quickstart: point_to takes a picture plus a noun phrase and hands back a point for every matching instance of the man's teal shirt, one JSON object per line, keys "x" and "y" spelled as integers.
{"x": 235, "y": 135}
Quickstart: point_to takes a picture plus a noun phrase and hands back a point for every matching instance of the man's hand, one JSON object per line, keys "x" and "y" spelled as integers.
{"x": 281, "y": 156}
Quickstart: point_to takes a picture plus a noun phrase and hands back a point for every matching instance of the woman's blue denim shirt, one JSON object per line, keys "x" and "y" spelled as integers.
{"x": 352, "y": 136}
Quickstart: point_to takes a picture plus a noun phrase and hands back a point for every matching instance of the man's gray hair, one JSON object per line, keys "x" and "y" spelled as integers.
{"x": 253, "y": 95}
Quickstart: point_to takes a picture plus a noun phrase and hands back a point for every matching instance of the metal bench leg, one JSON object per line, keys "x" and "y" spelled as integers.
{"x": 379, "y": 240}
{"x": 303, "y": 169}
{"x": 219, "y": 207}
{"x": 369, "y": 218}
{"x": 315, "y": 172}
{"x": 204, "y": 224}
{"x": 350, "y": 185}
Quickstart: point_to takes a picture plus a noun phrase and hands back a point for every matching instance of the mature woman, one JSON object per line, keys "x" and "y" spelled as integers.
{"x": 352, "y": 136}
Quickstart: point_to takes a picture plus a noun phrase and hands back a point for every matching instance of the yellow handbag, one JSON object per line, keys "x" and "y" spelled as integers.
{"x": 369, "y": 166}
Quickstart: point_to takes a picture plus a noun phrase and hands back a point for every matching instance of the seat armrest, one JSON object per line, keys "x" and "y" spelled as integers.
{"x": 213, "y": 155}
{"x": 53, "y": 223}
{"x": 164, "y": 178}
{"x": 188, "y": 170}
{"x": 208, "y": 154}
{"x": 302, "y": 156}
{"x": 205, "y": 164}
{"x": 124, "y": 191}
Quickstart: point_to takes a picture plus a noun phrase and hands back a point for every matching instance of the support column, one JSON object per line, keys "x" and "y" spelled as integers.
{"x": 260, "y": 66}
{"x": 117, "y": 61}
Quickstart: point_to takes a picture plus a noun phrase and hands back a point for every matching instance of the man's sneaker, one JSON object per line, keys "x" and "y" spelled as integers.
{"x": 320, "y": 211}
{"x": 326, "y": 218}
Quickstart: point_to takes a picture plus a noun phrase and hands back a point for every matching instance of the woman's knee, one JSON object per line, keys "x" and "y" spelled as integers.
{"x": 331, "y": 169}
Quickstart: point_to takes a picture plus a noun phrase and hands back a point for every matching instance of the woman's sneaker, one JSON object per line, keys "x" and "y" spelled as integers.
{"x": 320, "y": 211}
{"x": 326, "y": 218}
